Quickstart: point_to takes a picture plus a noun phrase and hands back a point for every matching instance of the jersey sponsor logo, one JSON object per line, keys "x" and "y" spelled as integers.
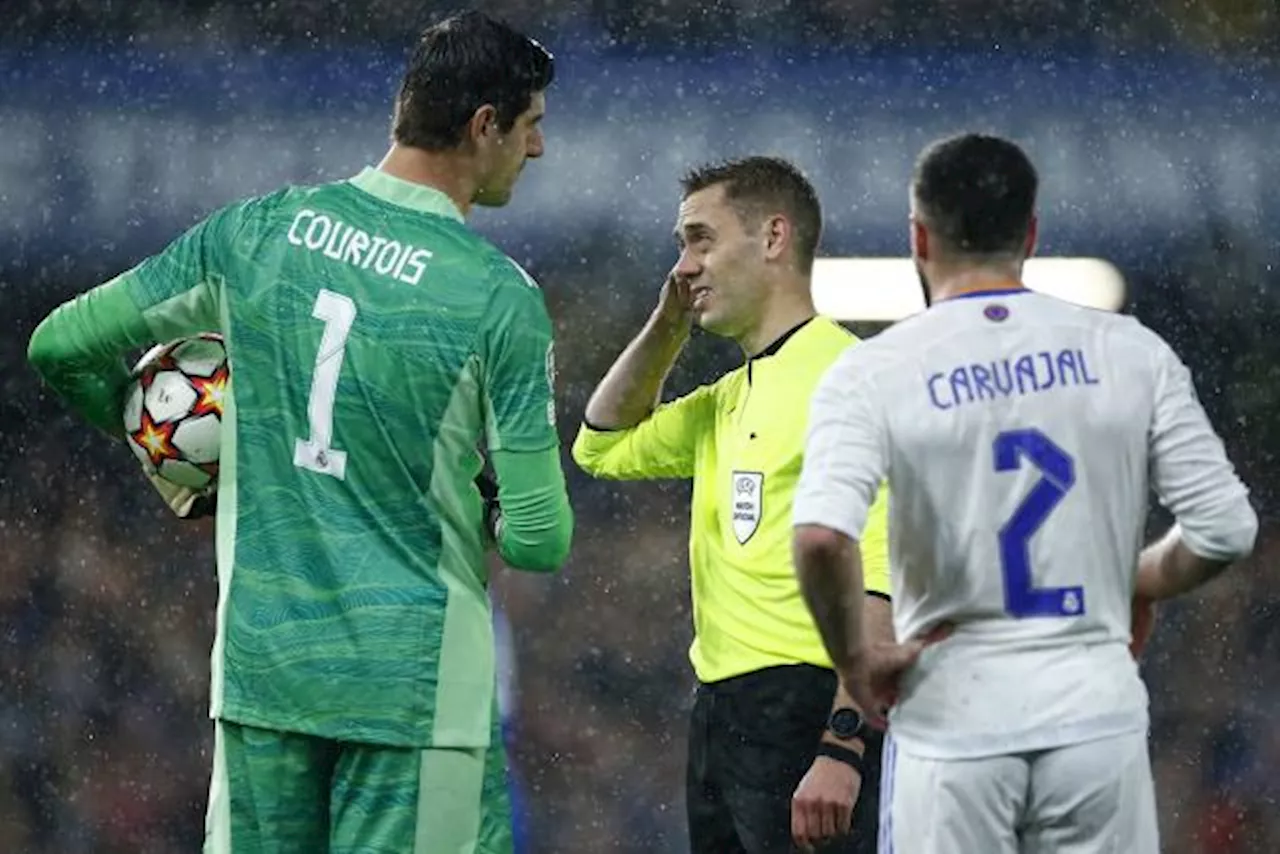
{"x": 748, "y": 502}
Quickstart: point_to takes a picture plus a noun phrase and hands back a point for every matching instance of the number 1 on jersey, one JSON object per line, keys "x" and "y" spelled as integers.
{"x": 1021, "y": 597}
{"x": 316, "y": 452}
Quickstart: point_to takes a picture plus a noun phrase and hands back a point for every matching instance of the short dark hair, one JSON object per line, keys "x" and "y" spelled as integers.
{"x": 760, "y": 186}
{"x": 460, "y": 64}
{"x": 977, "y": 193}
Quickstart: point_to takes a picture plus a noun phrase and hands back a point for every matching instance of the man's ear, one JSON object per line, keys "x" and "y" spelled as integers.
{"x": 483, "y": 123}
{"x": 777, "y": 236}
{"x": 1033, "y": 235}
{"x": 920, "y": 239}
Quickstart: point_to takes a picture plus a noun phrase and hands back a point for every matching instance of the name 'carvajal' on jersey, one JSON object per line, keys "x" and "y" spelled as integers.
{"x": 347, "y": 244}
{"x": 1030, "y": 373}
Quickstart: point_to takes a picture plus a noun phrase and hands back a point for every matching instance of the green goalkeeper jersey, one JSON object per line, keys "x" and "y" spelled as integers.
{"x": 375, "y": 341}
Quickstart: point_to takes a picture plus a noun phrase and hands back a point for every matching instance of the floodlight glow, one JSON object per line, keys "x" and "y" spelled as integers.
{"x": 887, "y": 289}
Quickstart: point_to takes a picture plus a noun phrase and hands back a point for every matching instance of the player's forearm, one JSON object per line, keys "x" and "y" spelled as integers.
{"x": 633, "y": 385}
{"x": 878, "y": 612}
{"x": 1169, "y": 568}
{"x": 537, "y": 521}
{"x": 829, "y": 570}
{"x": 878, "y": 625}
{"x": 78, "y": 351}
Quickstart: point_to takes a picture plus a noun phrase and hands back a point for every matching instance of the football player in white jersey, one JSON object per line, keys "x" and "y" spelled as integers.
{"x": 1020, "y": 436}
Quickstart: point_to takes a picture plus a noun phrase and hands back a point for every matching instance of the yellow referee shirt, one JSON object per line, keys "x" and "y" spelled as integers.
{"x": 741, "y": 439}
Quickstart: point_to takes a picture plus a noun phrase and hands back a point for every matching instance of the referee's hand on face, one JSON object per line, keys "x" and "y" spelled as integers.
{"x": 675, "y": 300}
{"x": 822, "y": 806}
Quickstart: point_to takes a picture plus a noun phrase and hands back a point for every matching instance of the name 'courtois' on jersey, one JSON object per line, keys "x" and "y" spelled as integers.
{"x": 375, "y": 341}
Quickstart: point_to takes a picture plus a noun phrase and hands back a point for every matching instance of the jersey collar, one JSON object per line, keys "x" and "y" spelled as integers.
{"x": 773, "y": 348}
{"x": 993, "y": 290}
{"x": 405, "y": 194}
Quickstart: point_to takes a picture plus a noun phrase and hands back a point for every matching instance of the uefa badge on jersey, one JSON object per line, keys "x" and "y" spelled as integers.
{"x": 746, "y": 501}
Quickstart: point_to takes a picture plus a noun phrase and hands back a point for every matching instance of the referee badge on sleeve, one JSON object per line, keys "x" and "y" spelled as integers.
{"x": 747, "y": 496}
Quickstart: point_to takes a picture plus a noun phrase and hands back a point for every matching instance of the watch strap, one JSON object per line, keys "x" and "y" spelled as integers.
{"x": 843, "y": 754}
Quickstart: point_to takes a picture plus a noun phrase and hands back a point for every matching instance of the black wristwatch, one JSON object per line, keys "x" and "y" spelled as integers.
{"x": 845, "y": 723}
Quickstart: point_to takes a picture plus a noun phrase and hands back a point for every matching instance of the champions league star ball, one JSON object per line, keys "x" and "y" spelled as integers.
{"x": 173, "y": 410}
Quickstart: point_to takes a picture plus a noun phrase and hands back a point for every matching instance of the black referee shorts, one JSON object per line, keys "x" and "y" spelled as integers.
{"x": 751, "y": 740}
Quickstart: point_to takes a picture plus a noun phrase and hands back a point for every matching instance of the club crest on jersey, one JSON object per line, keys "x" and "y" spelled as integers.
{"x": 747, "y": 502}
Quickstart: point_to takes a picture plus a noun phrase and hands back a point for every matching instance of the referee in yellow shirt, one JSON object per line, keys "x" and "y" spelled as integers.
{"x": 778, "y": 757}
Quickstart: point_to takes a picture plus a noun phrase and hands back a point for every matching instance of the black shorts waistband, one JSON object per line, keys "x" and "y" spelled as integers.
{"x": 797, "y": 674}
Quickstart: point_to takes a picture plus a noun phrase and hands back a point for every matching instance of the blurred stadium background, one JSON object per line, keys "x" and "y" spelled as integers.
{"x": 1155, "y": 127}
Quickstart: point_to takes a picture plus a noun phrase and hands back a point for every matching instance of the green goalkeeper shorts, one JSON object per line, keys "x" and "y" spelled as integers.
{"x": 276, "y": 792}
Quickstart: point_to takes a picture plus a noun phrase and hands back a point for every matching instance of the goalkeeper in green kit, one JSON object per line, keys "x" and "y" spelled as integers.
{"x": 375, "y": 342}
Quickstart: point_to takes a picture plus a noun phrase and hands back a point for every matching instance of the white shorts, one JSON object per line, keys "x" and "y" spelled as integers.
{"x": 1091, "y": 798}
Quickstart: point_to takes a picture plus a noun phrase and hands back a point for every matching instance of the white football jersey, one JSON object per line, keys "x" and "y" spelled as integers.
{"x": 1020, "y": 436}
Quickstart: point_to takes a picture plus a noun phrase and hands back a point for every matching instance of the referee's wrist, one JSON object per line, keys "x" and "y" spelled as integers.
{"x": 857, "y": 744}
{"x": 843, "y": 753}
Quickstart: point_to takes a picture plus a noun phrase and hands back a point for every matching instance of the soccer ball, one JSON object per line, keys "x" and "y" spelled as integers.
{"x": 173, "y": 410}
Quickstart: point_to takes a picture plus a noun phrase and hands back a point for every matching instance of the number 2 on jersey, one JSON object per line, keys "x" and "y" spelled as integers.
{"x": 317, "y": 452}
{"x": 1021, "y": 597}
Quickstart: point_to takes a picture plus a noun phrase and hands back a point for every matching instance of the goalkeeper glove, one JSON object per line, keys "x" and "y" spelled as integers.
{"x": 185, "y": 503}
{"x": 492, "y": 510}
